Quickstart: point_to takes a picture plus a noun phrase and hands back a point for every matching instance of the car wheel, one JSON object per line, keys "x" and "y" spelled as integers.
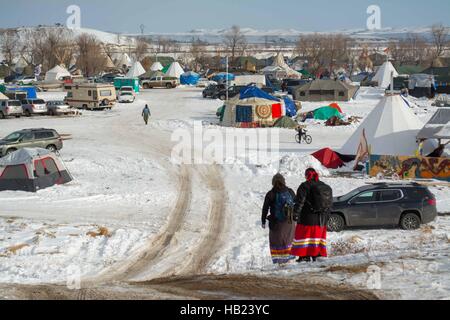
{"x": 51, "y": 148}
{"x": 2, "y": 116}
{"x": 27, "y": 113}
{"x": 336, "y": 223}
{"x": 204, "y": 95}
{"x": 146, "y": 86}
{"x": 222, "y": 97}
{"x": 168, "y": 86}
{"x": 9, "y": 151}
{"x": 410, "y": 221}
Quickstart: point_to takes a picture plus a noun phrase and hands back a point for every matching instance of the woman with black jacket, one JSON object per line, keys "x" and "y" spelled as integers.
{"x": 281, "y": 227}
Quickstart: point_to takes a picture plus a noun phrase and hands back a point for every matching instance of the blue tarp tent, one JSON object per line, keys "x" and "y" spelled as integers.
{"x": 189, "y": 78}
{"x": 255, "y": 92}
{"x": 291, "y": 110}
{"x": 222, "y": 77}
{"x": 31, "y": 91}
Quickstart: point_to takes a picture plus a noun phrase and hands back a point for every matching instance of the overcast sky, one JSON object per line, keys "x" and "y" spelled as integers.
{"x": 185, "y": 15}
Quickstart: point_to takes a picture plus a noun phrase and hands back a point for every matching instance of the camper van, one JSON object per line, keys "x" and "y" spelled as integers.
{"x": 90, "y": 96}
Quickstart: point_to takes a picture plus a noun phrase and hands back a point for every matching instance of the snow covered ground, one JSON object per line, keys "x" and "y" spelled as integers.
{"x": 125, "y": 182}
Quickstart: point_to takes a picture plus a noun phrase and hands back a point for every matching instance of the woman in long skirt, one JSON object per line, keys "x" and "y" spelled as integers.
{"x": 310, "y": 241}
{"x": 282, "y": 228}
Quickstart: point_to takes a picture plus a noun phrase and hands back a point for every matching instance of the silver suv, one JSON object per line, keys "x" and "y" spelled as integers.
{"x": 10, "y": 108}
{"x": 33, "y": 107}
{"x": 31, "y": 138}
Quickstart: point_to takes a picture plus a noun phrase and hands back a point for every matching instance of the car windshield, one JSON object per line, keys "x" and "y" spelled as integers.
{"x": 15, "y": 103}
{"x": 127, "y": 94}
{"x": 13, "y": 136}
{"x": 38, "y": 101}
{"x": 350, "y": 195}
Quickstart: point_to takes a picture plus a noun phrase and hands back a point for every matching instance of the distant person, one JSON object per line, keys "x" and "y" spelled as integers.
{"x": 313, "y": 204}
{"x": 280, "y": 202}
{"x": 146, "y": 114}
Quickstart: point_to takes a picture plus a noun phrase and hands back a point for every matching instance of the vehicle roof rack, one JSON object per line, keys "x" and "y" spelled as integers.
{"x": 412, "y": 183}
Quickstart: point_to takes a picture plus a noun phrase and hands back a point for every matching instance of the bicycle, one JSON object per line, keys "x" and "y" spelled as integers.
{"x": 302, "y": 135}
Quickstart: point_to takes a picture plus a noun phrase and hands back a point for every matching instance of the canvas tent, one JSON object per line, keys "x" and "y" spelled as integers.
{"x": 325, "y": 90}
{"x": 175, "y": 70}
{"x": 438, "y": 127}
{"x": 390, "y": 129}
{"x": 124, "y": 60}
{"x": 421, "y": 85}
{"x": 157, "y": 66}
{"x": 56, "y": 74}
{"x": 285, "y": 122}
{"x": 32, "y": 170}
{"x": 136, "y": 70}
{"x": 189, "y": 78}
{"x": 383, "y": 75}
{"x": 253, "y": 108}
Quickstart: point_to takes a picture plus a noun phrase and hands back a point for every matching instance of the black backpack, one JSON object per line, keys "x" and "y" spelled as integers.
{"x": 321, "y": 197}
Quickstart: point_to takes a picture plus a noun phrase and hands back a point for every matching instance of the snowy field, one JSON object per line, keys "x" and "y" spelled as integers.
{"x": 125, "y": 189}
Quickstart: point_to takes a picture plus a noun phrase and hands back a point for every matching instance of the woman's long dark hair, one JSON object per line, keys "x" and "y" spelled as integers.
{"x": 278, "y": 182}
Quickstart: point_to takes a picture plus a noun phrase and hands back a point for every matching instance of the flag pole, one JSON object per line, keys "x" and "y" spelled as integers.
{"x": 226, "y": 75}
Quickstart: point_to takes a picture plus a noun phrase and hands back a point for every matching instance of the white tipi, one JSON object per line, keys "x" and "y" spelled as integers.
{"x": 175, "y": 70}
{"x": 384, "y": 74}
{"x": 391, "y": 129}
{"x": 279, "y": 62}
{"x": 136, "y": 70}
{"x": 157, "y": 66}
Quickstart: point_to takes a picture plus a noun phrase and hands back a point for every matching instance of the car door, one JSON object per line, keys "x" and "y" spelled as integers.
{"x": 389, "y": 208}
{"x": 362, "y": 209}
{"x": 27, "y": 141}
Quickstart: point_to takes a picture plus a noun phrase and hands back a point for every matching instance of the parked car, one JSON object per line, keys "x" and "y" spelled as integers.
{"x": 160, "y": 82}
{"x": 126, "y": 97}
{"x": 212, "y": 90}
{"x": 10, "y": 108}
{"x": 383, "y": 204}
{"x": 57, "y": 107}
{"x": 26, "y": 80}
{"x": 34, "y": 107}
{"x": 204, "y": 83}
{"x": 126, "y": 89}
{"x": 31, "y": 138}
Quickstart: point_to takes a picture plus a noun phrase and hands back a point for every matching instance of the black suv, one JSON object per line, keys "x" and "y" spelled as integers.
{"x": 383, "y": 204}
{"x": 212, "y": 91}
{"x": 31, "y": 138}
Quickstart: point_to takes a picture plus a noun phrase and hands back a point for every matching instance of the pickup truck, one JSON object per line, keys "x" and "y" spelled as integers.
{"x": 10, "y": 108}
{"x": 160, "y": 82}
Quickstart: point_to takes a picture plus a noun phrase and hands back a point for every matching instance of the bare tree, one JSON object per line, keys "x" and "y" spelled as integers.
{"x": 235, "y": 41}
{"x": 91, "y": 59}
{"x": 440, "y": 35}
{"x": 141, "y": 49}
{"x": 9, "y": 45}
{"x": 197, "y": 52}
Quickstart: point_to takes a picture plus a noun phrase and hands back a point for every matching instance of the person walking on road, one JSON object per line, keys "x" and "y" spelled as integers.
{"x": 282, "y": 226}
{"x": 313, "y": 203}
{"x": 146, "y": 114}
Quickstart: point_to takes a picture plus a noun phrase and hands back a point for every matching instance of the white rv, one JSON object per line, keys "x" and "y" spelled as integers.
{"x": 90, "y": 96}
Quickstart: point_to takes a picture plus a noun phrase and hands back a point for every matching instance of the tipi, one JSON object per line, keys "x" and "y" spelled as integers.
{"x": 280, "y": 63}
{"x": 56, "y": 74}
{"x": 124, "y": 61}
{"x": 157, "y": 66}
{"x": 136, "y": 70}
{"x": 390, "y": 129}
{"x": 175, "y": 70}
{"x": 383, "y": 75}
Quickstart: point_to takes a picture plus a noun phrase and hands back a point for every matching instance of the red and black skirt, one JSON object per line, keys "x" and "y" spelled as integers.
{"x": 310, "y": 241}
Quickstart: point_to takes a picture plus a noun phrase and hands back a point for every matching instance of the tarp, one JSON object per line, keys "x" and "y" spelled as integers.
{"x": 222, "y": 77}
{"x": 291, "y": 109}
{"x": 328, "y": 158}
{"x": 336, "y": 106}
{"x": 285, "y": 122}
{"x": 438, "y": 127}
{"x": 255, "y": 92}
{"x": 326, "y": 113}
{"x": 189, "y": 78}
{"x": 30, "y": 90}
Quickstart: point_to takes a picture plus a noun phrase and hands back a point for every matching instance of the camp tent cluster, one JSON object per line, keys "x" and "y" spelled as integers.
{"x": 31, "y": 170}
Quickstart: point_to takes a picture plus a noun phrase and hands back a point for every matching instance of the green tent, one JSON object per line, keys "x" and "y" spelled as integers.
{"x": 326, "y": 113}
{"x": 305, "y": 73}
{"x": 285, "y": 122}
{"x": 165, "y": 69}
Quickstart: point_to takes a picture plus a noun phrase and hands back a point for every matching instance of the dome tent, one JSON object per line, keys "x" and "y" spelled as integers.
{"x": 326, "y": 113}
{"x": 285, "y": 122}
{"x": 252, "y": 108}
{"x": 189, "y": 78}
{"x": 31, "y": 170}
{"x": 175, "y": 70}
